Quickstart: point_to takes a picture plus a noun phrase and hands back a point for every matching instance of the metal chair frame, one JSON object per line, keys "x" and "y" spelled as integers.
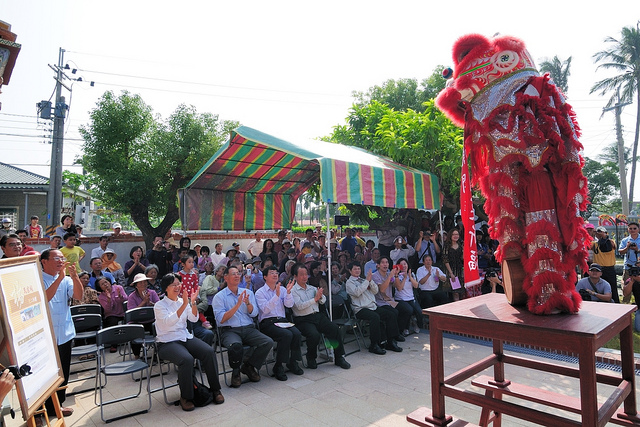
{"x": 116, "y": 335}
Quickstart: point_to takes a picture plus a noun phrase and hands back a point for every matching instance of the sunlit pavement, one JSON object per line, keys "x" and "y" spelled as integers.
{"x": 377, "y": 390}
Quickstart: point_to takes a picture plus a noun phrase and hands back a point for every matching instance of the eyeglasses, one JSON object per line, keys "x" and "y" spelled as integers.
{"x": 14, "y": 245}
{"x": 235, "y": 273}
{"x": 59, "y": 258}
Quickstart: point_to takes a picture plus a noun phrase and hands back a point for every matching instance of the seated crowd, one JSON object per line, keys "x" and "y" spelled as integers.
{"x": 274, "y": 295}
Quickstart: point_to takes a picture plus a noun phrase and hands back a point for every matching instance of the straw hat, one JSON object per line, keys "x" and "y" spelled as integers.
{"x": 139, "y": 278}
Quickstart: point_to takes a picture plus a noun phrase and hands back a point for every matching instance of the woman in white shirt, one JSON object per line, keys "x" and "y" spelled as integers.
{"x": 405, "y": 282}
{"x": 177, "y": 345}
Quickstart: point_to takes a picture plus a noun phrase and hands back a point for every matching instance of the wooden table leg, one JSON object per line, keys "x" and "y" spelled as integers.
{"x": 588, "y": 385}
{"x": 437, "y": 374}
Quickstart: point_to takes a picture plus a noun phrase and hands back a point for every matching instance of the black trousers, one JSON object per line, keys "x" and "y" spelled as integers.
{"x": 433, "y": 298}
{"x": 64, "y": 351}
{"x": 383, "y": 323}
{"x": 183, "y": 355}
{"x": 609, "y": 275}
{"x": 288, "y": 340}
{"x": 235, "y": 338}
{"x": 312, "y": 326}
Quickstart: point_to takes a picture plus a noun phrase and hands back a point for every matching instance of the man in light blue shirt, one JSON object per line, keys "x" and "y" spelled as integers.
{"x": 234, "y": 312}
{"x": 630, "y": 247}
{"x": 272, "y": 299}
{"x": 59, "y": 288}
{"x": 371, "y": 266}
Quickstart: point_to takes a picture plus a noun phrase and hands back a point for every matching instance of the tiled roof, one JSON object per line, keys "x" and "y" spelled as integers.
{"x": 13, "y": 177}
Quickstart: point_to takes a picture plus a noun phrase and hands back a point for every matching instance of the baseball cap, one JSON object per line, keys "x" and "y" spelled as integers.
{"x": 601, "y": 229}
{"x": 595, "y": 267}
{"x": 589, "y": 226}
{"x": 116, "y": 225}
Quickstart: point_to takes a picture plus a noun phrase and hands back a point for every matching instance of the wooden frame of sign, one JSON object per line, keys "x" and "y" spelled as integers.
{"x": 26, "y": 332}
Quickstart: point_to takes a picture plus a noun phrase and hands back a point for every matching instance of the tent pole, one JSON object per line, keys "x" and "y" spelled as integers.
{"x": 328, "y": 240}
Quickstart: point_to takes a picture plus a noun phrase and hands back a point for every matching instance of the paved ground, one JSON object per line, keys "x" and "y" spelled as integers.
{"x": 377, "y": 390}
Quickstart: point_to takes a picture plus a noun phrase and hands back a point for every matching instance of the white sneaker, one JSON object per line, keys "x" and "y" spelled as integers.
{"x": 416, "y": 330}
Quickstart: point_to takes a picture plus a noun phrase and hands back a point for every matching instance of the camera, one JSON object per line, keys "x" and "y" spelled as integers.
{"x": 491, "y": 272}
{"x": 19, "y": 371}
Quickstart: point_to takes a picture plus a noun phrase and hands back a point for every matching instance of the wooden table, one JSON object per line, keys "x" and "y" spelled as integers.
{"x": 491, "y": 316}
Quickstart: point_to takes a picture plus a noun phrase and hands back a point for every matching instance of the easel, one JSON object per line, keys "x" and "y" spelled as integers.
{"x": 24, "y": 314}
{"x": 31, "y": 422}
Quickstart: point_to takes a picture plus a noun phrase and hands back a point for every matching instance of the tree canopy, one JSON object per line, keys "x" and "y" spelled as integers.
{"x": 398, "y": 121}
{"x": 140, "y": 161}
{"x": 559, "y": 70}
{"x": 603, "y": 181}
{"x": 623, "y": 57}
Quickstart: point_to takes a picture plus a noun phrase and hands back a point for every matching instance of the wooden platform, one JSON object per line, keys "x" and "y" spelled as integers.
{"x": 491, "y": 316}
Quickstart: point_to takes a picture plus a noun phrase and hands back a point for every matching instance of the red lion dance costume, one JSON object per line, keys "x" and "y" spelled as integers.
{"x": 522, "y": 138}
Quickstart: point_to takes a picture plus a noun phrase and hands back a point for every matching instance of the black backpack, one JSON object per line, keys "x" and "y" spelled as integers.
{"x": 202, "y": 395}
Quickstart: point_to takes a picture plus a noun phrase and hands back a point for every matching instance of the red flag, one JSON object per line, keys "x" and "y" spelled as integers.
{"x": 471, "y": 274}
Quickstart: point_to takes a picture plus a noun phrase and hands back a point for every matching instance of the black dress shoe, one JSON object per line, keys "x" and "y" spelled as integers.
{"x": 236, "y": 380}
{"x": 218, "y": 398}
{"x": 400, "y": 338}
{"x": 251, "y": 372}
{"x": 376, "y": 349}
{"x": 342, "y": 362}
{"x": 311, "y": 364}
{"x": 295, "y": 368}
{"x": 278, "y": 372}
{"x": 391, "y": 345}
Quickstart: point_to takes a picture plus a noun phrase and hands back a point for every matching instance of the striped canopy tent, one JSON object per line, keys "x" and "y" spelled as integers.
{"x": 255, "y": 179}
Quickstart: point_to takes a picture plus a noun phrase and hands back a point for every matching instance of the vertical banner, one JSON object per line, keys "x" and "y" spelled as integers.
{"x": 471, "y": 274}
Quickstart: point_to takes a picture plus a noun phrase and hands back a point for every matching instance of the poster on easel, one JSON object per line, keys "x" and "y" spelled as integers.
{"x": 27, "y": 331}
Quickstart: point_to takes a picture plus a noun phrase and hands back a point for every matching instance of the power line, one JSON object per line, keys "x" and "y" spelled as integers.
{"x": 210, "y": 84}
{"x": 217, "y": 96}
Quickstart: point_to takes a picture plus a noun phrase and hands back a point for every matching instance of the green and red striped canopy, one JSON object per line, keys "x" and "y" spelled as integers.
{"x": 255, "y": 179}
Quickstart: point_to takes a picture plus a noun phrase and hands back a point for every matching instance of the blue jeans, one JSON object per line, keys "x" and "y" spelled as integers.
{"x": 636, "y": 322}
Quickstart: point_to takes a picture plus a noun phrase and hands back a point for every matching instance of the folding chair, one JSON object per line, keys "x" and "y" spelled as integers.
{"x": 350, "y": 323}
{"x": 86, "y": 309}
{"x": 141, "y": 315}
{"x": 116, "y": 335}
{"x": 87, "y": 326}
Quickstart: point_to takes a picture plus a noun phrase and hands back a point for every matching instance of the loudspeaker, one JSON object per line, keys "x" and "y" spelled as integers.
{"x": 341, "y": 219}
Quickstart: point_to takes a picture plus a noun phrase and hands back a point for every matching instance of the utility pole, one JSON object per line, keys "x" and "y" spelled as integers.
{"x": 621, "y": 164}
{"x": 54, "y": 196}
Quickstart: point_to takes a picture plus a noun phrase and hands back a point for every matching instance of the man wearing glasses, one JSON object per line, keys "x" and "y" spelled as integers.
{"x": 11, "y": 245}
{"x": 630, "y": 247}
{"x": 59, "y": 289}
{"x": 234, "y": 310}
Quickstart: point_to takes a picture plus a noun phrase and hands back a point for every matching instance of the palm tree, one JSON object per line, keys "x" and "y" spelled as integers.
{"x": 559, "y": 70}
{"x": 623, "y": 56}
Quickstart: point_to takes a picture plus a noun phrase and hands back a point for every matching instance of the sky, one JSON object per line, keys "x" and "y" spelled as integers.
{"x": 287, "y": 68}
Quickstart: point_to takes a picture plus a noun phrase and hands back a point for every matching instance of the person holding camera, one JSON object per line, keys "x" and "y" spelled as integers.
{"x": 491, "y": 282}
{"x": 629, "y": 248}
{"x": 632, "y": 286}
{"x": 594, "y": 288}
{"x": 427, "y": 245}
{"x": 604, "y": 254}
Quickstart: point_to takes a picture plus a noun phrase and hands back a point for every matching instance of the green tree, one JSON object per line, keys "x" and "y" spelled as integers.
{"x": 623, "y": 57}
{"x": 406, "y": 137}
{"x": 404, "y": 94}
{"x": 604, "y": 182}
{"x": 559, "y": 71}
{"x": 139, "y": 161}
